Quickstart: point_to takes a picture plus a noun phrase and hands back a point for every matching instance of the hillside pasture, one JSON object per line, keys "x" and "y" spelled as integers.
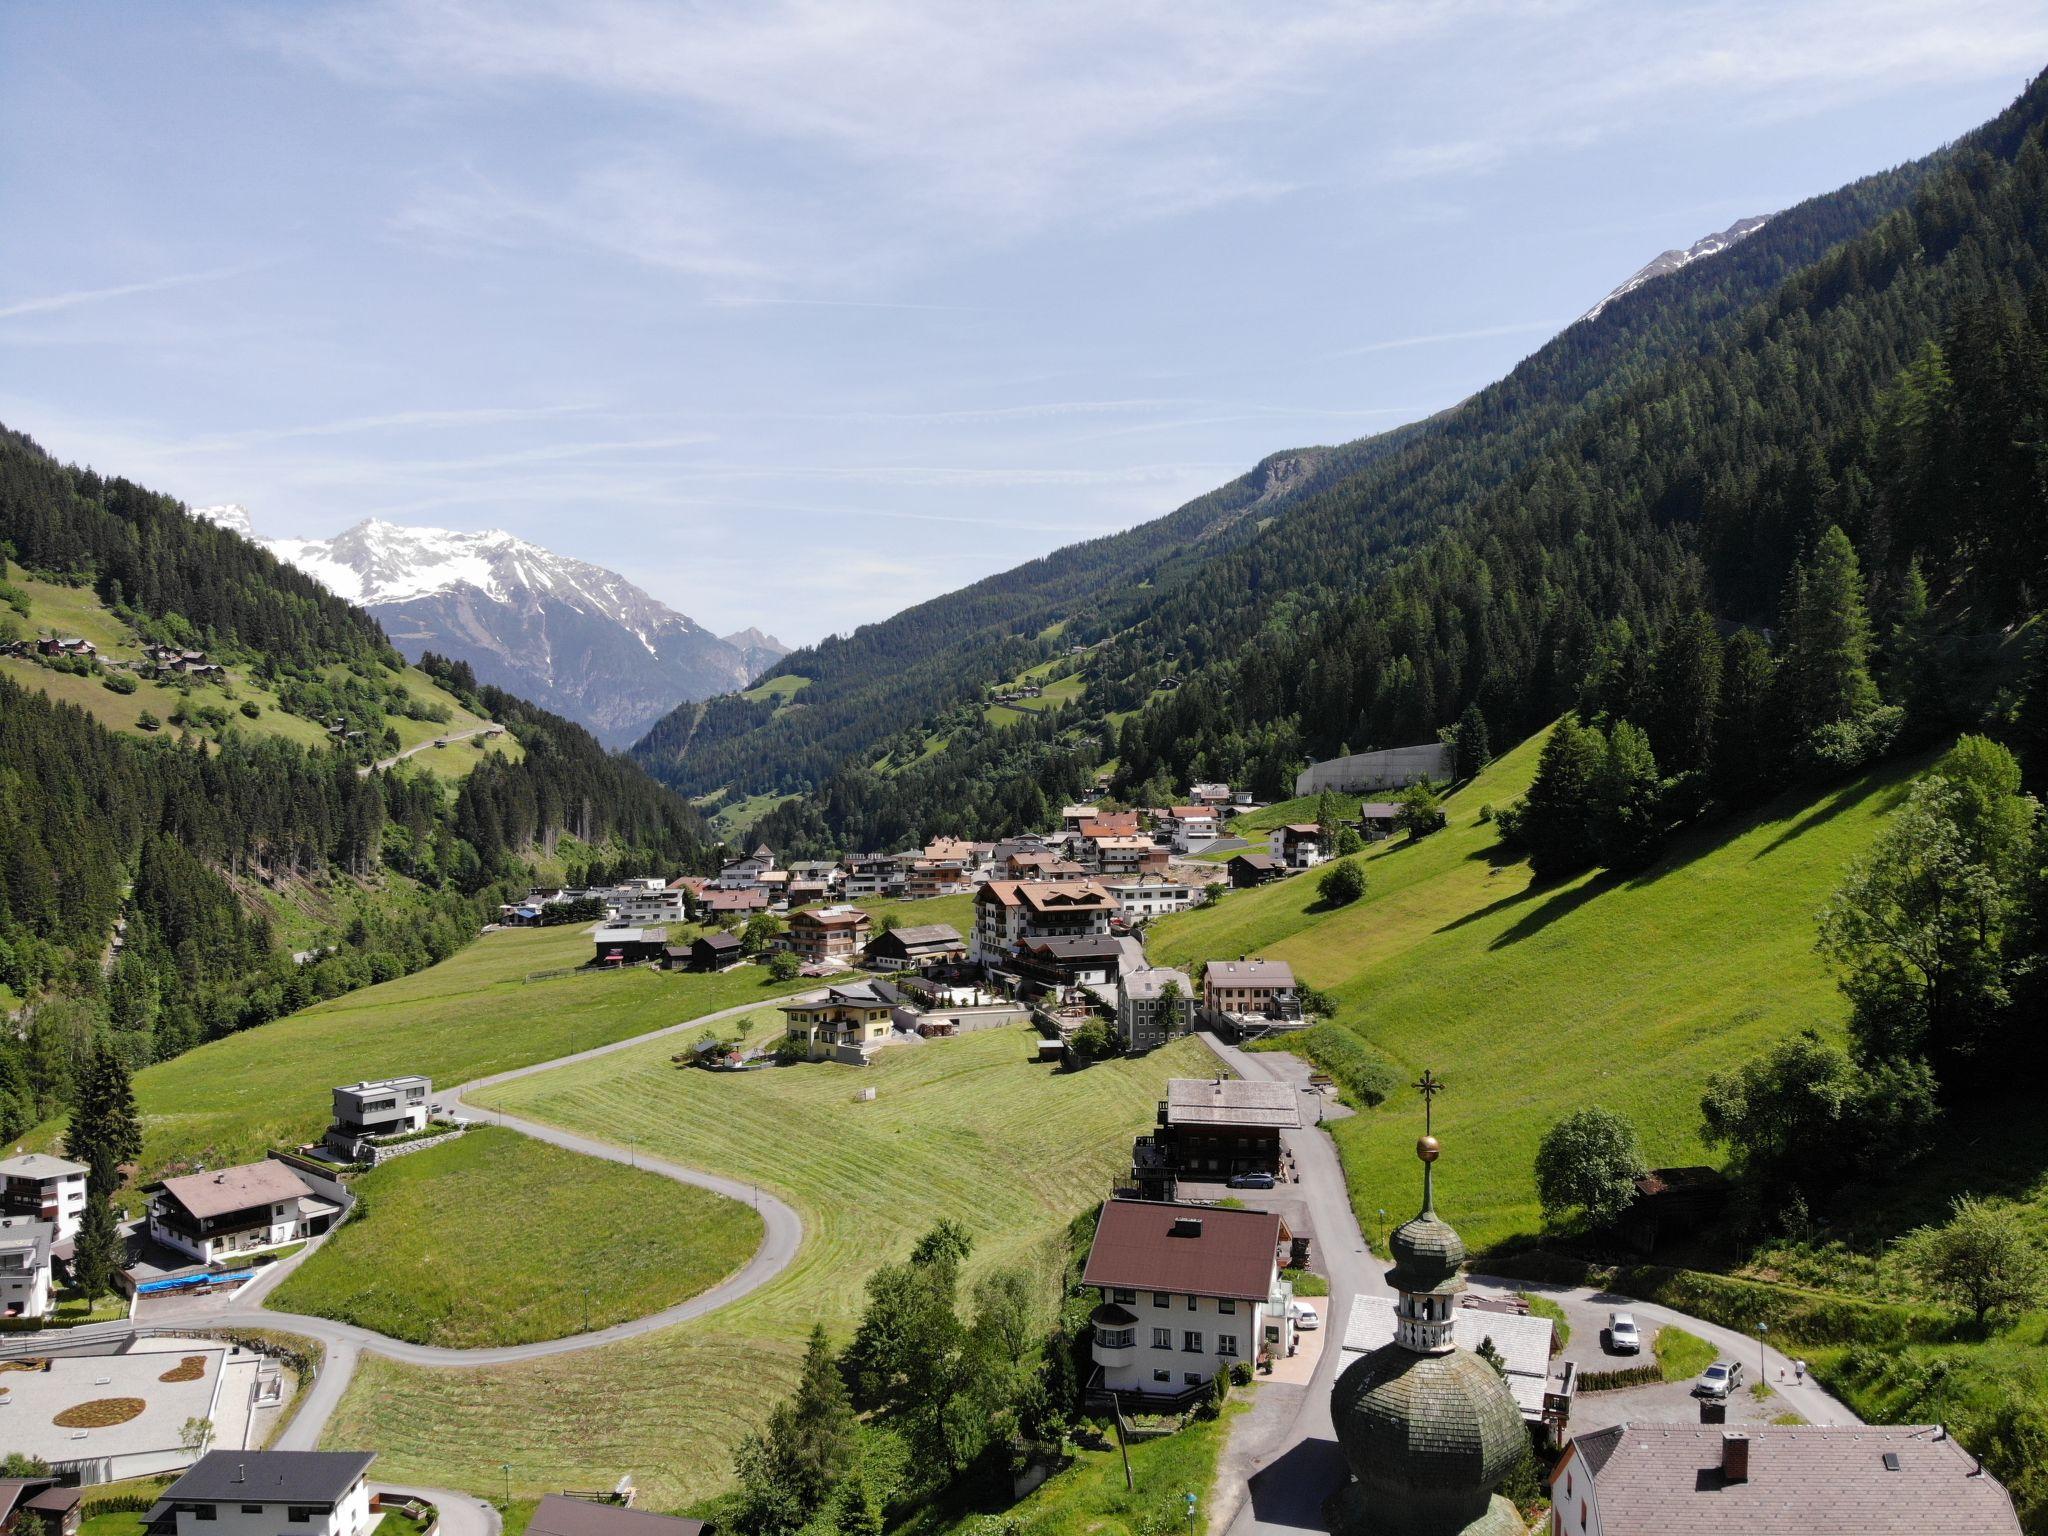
{"x": 970, "y": 1128}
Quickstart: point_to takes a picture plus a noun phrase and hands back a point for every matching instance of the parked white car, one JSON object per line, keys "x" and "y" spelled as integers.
{"x": 1305, "y": 1316}
{"x": 1622, "y": 1335}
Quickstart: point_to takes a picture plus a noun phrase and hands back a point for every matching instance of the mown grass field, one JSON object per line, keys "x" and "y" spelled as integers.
{"x": 499, "y": 1239}
{"x": 967, "y": 1128}
{"x": 1531, "y": 999}
{"x": 782, "y": 687}
{"x": 471, "y": 1015}
{"x": 1060, "y": 690}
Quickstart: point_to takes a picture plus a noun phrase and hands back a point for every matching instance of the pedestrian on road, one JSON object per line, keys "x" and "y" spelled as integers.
{"x": 1799, "y": 1371}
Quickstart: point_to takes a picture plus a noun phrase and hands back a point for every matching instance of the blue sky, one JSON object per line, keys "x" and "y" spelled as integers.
{"x": 799, "y": 313}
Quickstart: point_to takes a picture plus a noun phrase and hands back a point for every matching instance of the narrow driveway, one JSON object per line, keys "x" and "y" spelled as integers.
{"x": 431, "y": 742}
{"x": 1282, "y": 1460}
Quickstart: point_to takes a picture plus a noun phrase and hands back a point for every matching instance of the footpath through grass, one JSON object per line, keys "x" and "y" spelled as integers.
{"x": 968, "y": 1128}
{"x": 499, "y": 1239}
{"x": 473, "y": 1014}
{"x": 1530, "y": 999}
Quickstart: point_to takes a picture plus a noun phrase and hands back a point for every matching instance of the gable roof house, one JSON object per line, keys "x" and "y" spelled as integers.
{"x": 706, "y": 952}
{"x": 827, "y": 933}
{"x": 847, "y": 1024}
{"x": 916, "y": 946}
{"x": 1008, "y": 912}
{"x": 48, "y": 1188}
{"x": 1775, "y": 1480}
{"x": 258, "y": 1493}
{"x": 1298, "y": 845}
{"x": 1215, "y": 1127}
{"x": 243, "y": 1209}
{"x": 1249, "y": 869}
{"x": 1187, "y": 1292}
{"x": 561, "y": 1514}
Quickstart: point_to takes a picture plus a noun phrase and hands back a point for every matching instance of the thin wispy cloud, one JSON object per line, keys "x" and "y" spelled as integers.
{"x": 1444, "y": 338}
{"x": 51, "y": 303}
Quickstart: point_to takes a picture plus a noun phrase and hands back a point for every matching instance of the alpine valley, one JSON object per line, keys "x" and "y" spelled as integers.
{"x": 580, "y": 639}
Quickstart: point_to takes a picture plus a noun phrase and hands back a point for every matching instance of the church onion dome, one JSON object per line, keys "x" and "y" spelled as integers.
{"x": 1427, "y": 1434}
{"x": 1428, "y": 1254}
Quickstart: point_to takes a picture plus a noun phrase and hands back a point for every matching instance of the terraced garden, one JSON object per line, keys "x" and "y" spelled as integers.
{"x": 968, "y": 1128}
{"x": 499, "y": 1239}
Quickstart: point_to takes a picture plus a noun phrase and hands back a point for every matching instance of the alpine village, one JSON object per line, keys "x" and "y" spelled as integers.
{"x": 1489, "y": 978}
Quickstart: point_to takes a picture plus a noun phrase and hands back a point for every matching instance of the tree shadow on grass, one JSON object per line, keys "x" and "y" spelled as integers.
{"x": 1561, "y": 904}
{"x": 1885, "y": 781}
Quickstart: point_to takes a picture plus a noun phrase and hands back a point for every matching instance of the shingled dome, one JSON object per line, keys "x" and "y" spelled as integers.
{"x": 1428, "y": 1437}
{"x": 1428, "y": 1254}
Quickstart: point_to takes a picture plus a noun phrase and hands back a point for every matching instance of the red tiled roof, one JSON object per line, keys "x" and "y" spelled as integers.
{"x": 1229, "y": 1253}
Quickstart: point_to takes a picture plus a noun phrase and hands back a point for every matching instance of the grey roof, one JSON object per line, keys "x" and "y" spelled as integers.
{"x": 1808, "y": 1479}
{"x": 1150, "y": 982}
{"x": 27, "y": 1232}
{"x": 559, "y": 1515}
{"x": 39, "y": 1165}
{"x": 914, "y": 934}
{"x": 1231, "y": 1101}
{"x": 1249, "y": 973}
{"x": 1523, "y": 1341}
{"x": 271, "y": 1477}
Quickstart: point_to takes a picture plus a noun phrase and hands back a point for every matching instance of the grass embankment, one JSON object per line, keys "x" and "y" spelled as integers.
{"x": 499, "y": 1239}
{"x": 473, "y": 1014}
{"x": 1089, "y": 1497}
{"x": 1681, "y": 1355}
{"x": 1528, "y": 999}
{"x": 967, "y": 1128}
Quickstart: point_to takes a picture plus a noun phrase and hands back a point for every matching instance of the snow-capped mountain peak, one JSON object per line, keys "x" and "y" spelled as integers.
{"x": 568, "y": 634}
{"x": 1671, "y": 261}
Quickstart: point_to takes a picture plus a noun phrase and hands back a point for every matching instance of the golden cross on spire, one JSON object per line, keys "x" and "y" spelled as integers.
{"x": 1429, "y": 1087}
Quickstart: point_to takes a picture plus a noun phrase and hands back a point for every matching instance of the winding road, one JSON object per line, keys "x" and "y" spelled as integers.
{"x": 345, "y": 1343}
{"x": 431, "y": 742}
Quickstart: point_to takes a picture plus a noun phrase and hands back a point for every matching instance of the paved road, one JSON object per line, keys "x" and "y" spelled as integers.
{"x": 462, "y": 1514}
{"x": 345, "y": 1343}
{"x": 1283, "y": 1458}
{"x": 428, "y": 744}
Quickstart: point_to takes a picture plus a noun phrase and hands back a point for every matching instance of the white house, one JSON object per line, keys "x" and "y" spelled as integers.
{"x": 1190, "y": 826}
{"x": 634, "y": 904}
{"x": 262, "y": 1493}
{"x": 1298, "y": 845}
{"x": 1143, "y": 897}
{"x": 1187, "y": 1291}
{"x": 1009, "y": 912}
{"x": 45, "y": 1187}
{"x": 25, "y": 1266}
{"x": 388, "y": 1106}
{"x": 237, "y": 1210}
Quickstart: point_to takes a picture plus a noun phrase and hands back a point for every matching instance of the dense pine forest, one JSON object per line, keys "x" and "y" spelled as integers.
{"x": 1870, "y": 360}
{"x": 190, "y": 847}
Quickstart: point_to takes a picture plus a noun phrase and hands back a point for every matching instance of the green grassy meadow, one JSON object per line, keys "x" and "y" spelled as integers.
{"x": 968, "y": 1128}
{"x": 1528, "y": 999}
{"x": 471, "y": 1015}
{"x": 498, "y": 1239}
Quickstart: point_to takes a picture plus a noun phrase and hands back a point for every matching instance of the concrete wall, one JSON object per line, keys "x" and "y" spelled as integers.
{"x": 1391, "y": 769}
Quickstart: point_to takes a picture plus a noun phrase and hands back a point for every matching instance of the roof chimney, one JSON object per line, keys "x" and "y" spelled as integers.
{"x": 1734, "y": 1457}
{"x": 241, "y": 1472}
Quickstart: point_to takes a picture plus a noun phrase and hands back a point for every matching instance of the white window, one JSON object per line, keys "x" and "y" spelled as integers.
{"x": 1226, "y": 1343}
{"x": 1191, "y": 1342}
{"x": 1162, "y": 1338}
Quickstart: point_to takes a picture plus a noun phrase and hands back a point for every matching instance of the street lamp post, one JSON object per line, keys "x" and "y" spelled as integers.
{"x": 1191, "y": 1515}
{"x": 506, "y": 1467}
{"x": 1763, "y": 1368}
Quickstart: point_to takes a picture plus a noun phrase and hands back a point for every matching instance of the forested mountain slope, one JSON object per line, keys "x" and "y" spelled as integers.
{"x": 1681, "y": 449}
{"x": 156, "y": 874}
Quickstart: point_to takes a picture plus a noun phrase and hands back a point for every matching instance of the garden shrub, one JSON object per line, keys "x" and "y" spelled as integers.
{"x": 1366, "y": 1077}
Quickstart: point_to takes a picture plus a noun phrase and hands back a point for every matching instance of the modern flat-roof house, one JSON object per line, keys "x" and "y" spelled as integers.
{"x": 1187, "y": 1291}
{"x": 25, "y": 1243}
{"x": 1298, "y": 845}
{"x": 237, "y": 1210}
{"x": 1215, "y": 1127}
{"x": 620, "y": 945}
{"x": 1140, "y": 898}
{"x": 388, "y": 1107}
{"x": 561, "y": 1514}
{"x": 262, "y": 1493}
{"x": 1775, "y": 1480}
{"x": 847, "y": 1024}
{"x": 1249, "y": 869}
{"x": 915, "y": 946}
{"x": 48, "y": 1188}
{"x": 636, "y": 904}
{"x": 1008, "y": 912}
{"x": 1379, "y": 819}
{"x": 828, "y": 933}
{"x": 1145, "y": 1015}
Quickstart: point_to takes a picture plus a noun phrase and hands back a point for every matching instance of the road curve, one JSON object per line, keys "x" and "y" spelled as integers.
{"x": 433, "y": 741}
{"x": 345, "y": 1343}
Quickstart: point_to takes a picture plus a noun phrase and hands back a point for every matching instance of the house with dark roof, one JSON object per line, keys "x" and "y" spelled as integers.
{"x": 1079, "y": 960}
{"x": 1214, "y": 1127}
{"x": 1009, "y": 912}
{"x": 1187, "y": 1291}
{"x": 1249, "y": 869}
{"x": 847, "y": 1024}
{"x": 1775, "y": 1480}
{"x": 1235, "y": 992}
{"x": 617, "y": 944}
{"x": 243, "y": 1209}
{"x": 562, "y": 1514}
{"x": 1298, "y": 845}
{"x": 1379, "y": 819}
{"x": 55, "y": 1506}
{"x": 706, "y": 952}
{"x": 260, "y": 1493}
{"x": 915, "y": 946}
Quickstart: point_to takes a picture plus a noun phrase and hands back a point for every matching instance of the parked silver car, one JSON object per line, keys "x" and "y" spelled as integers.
{"x": 1719, "y": 1380}
{"x": 1623, "y": 1338}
